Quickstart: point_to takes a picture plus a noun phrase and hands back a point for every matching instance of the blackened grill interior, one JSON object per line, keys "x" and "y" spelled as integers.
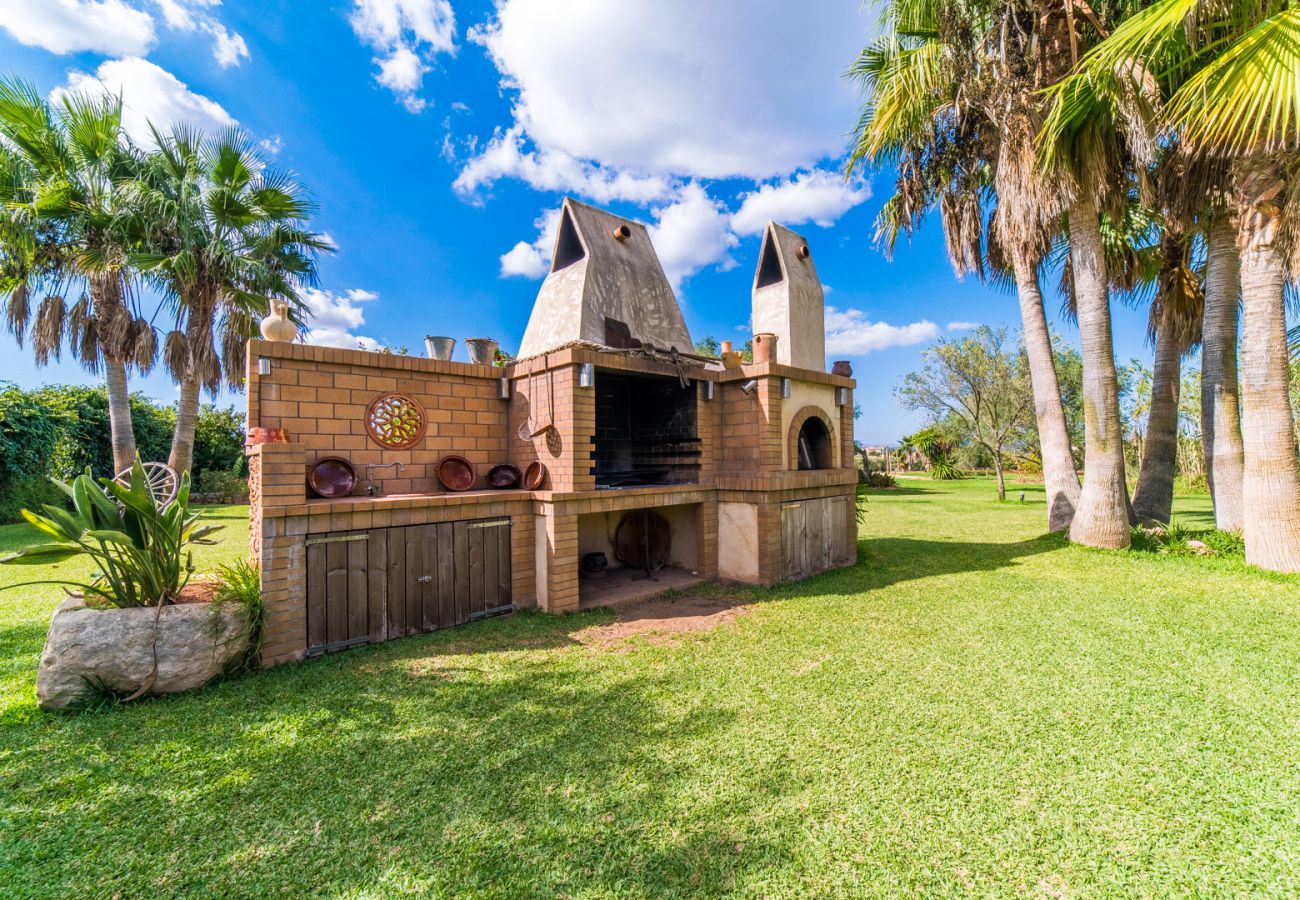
{"x": 645, "y": 431}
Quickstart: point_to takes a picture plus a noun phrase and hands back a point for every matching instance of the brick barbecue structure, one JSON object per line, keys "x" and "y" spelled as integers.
{"x": 666, "y": 467}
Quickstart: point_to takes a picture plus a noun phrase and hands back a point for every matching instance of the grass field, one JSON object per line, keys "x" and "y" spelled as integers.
{"x": 974, "y": 709}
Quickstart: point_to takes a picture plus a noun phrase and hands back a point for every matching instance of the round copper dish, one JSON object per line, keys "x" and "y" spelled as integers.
{"x": 332, "y": 476}
{"x": 456, "y": 473}
{"x": 504, "y": 476}
{"x": 534, "y": 475}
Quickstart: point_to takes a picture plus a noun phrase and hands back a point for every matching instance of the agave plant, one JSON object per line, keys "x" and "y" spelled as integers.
{"x": 138, "y": 545}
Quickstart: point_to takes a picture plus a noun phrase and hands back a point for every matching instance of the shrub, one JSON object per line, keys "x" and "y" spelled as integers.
{"x": 878, "y": 480}
{"x": 231, "y": 487}
{"x": 138, "y": 546}
{"x": 1175, "y": 540}
{"x": 241, "y": 583}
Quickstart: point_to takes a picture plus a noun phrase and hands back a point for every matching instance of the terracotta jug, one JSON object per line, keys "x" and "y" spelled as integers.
{"x": 842, "y": 367}
{"x": 278, "y": 326}
{"x": 764, "y": 347}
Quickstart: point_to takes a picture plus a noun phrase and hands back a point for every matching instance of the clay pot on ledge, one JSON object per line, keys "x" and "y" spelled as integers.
{"x": 842, "y": 367}
{"x": 439, "y": 347}
{"x": 278, "y": 326}
{"x": 258, "y": 435}
{"x": 482, "y": 351}
{"x": 725, "y": 347}
{"x": 765, "y": 347}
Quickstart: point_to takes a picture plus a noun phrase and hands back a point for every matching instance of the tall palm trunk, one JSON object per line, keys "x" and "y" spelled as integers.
{"x": 121, "y": 430}
{"x": 199, "y": 324}
{"x": 1271, "y": 483}
{"x": 181, "y": 457}
{"x": 1102, "y": 517}
{"x": 106, "y": 297}
{"x": 1220, "y": 400}
{"x": 1060, "y": 478}
{"x": 1153, "y": 498}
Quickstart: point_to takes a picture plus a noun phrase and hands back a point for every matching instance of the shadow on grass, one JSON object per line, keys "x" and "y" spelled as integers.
{"x": 396, "y": 768}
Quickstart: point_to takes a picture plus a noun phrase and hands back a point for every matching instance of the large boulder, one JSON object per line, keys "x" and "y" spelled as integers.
{"x": 90, "y": 649}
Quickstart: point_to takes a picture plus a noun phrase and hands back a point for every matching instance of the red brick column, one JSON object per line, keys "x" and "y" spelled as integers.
{"x": 557, "y": 560}
{"x": 277, "y": 478}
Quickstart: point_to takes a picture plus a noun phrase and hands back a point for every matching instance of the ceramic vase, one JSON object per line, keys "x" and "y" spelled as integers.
{"x": 278, "y": 326}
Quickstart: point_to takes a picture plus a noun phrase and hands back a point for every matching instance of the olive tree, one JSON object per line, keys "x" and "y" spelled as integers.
{"x": 980, "y": 381}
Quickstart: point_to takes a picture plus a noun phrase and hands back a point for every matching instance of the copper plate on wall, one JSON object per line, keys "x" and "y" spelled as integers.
{"x": 332, "y": 476}
{"x": 456, "y": 473}
{"x": 534, "y": 475}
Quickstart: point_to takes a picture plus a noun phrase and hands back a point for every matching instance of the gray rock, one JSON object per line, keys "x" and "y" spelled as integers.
{"x": 114, "y": 647}
{"x": 1200, "y": 548}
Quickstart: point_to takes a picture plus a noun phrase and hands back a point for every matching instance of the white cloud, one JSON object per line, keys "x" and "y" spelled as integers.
{"x": 962, "y": 326}
{"x": 532, "y": 260}
{"x": 405, "y": 34}
{"x": 555, "y": 170}
{"x": 149, "y": 94}
{"x": 851, "y": 333}
{"x": 272, "y": 145}
{"x": 818, "y": 196}
{"x": 678, "y": 87}
{"x": 333, "y": 319}
{"x": 690, "y": 233}
{"x": 70, "y": 26}
{"x": 228, "y": 48}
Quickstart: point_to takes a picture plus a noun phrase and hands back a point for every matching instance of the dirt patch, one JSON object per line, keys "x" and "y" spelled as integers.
{"x": 199, "y": 590}
{"x": 662, "y": 619}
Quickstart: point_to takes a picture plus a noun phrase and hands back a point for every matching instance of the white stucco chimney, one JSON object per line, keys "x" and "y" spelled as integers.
{"x": 604, "y": 269}
{"x": 788, "y": 299}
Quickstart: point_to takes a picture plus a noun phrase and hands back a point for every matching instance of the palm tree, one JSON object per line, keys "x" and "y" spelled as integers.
{"x": 1229, "y": 70}
{"x": 1174, "y": 329}
{"x": 953, "y": 101}
{"x": 1220, "y": 386}
{"x": 222, "y": 232}
{"x": 62, "y": 173}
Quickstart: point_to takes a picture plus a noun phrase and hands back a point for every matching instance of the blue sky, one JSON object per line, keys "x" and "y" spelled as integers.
{"x": 438, "y": 138}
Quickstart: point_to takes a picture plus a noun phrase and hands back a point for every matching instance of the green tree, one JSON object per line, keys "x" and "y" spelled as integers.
{"x": 982, "y": 382}
{"x": 953, "y": 101}
{"x": 63, "y": 169}
{"x": 1224, "y": 81}
{"x": 221, "y": 232}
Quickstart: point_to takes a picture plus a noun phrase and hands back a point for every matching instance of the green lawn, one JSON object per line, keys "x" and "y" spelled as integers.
{"x": 975, "y": 709}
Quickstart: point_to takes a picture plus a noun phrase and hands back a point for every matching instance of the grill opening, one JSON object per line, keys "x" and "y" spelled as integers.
{"x": 646, "y": 431}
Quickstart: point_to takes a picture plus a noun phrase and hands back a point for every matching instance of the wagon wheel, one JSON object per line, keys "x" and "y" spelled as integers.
{"x": 162, "y": 480}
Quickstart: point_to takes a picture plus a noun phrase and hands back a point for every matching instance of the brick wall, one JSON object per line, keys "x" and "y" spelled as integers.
{"x": 320, "y": 395}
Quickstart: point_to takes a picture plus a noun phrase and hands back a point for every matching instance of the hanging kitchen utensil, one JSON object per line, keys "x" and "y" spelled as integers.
{"x": 550, "y": 402}
{"x": 525, "y": 431}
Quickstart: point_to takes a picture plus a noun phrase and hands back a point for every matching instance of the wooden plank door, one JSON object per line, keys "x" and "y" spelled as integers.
{"x": 793, "y": 546}
{"x": 338, "y": 591}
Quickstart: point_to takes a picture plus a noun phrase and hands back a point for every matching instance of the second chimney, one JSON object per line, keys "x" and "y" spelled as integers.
{"x": 788, "y": 299}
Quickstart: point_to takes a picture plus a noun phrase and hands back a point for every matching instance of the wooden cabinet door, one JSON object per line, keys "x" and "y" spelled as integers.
{"x": 338, "y": 591}
{"x": 816, "y": 535}
{"x": 366, "y": 586}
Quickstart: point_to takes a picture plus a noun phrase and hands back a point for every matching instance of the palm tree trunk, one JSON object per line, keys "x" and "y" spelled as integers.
{"x": 1153, "y": 498}
{"x": 181, "y": 457}
{"x": 1060, "y": 478}
{"x": 1271, "y": 483}
{"x": 200, "y": 314}
{"x": 1102, "y": 517}
{"x": 1220, "y": 400}
{"x": 121, "y": 430}
{"x": 106, "y": 299}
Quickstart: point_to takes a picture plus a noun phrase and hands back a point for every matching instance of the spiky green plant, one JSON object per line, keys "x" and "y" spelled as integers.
{"x": 139, "y": 546}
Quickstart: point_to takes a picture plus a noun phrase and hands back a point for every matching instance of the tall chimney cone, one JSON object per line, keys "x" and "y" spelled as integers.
{"x": 605, "y": 283}
{"x": 788, "y": 299}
